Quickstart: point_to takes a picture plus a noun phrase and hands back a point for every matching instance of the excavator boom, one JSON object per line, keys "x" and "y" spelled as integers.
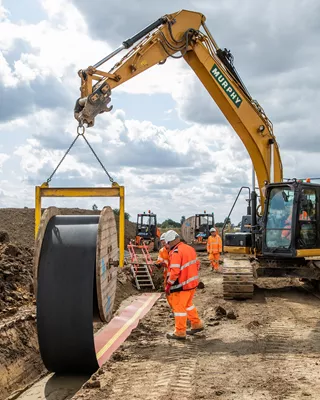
{"x": 178, "y": 35}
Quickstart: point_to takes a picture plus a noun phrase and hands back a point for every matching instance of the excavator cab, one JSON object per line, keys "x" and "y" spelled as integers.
{"x": 147, "y": 230}
{"x": 203, "y": 224}
{"x": 291, "y": 220}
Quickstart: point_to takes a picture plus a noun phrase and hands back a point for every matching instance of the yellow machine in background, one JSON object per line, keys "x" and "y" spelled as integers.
{"x": 147, "y": 231}
{"x": 281, "y": 239}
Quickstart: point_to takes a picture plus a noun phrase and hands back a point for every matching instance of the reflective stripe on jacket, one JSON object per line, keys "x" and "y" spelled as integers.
{"x": 214, "y": 244}
{"x": 184, "y": 267}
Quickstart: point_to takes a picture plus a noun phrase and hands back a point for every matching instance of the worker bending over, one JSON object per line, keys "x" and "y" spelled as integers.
{"x": 163, "y": 262}
{"x": 214, "y": 248}
{"x": 181, "y": 286}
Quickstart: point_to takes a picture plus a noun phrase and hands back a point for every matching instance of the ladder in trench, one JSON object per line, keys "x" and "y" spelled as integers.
{"x": 141, "y": 266}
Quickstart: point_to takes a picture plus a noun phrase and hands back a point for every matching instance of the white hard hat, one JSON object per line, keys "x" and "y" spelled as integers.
{"x": 213, "y": 230}
{"x": 162, "y": 236}
{"x": 170, "y": 236}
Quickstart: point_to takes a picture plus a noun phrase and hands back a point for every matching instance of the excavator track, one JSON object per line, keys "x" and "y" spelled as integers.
{"x": 237, "y": 279}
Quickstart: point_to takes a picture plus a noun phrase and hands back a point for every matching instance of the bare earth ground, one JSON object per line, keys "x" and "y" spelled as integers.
{"x": 270, "y": 351}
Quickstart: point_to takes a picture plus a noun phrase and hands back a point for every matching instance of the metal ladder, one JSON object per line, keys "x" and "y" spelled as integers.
{"x": 141, "y": 267}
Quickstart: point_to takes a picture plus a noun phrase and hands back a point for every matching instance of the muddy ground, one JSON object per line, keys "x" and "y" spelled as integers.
{"x": 268, "y": 349}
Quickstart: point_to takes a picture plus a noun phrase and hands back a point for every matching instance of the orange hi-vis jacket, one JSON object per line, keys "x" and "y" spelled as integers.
{"x": 214, "y": 244}
{"x": 304, "y": 216}
{"x": 184, "y": 267}
{"x": 163, "y": 257}
{"x": 286, "y": 233}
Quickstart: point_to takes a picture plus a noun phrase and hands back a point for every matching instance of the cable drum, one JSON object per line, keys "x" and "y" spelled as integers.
{"x": 75, "y": 284}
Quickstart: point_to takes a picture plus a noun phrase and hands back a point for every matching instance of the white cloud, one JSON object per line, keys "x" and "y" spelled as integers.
{"x": 171, "y": 171}
{"x": 3, "y": 12}
{"x": 3, "y": 158}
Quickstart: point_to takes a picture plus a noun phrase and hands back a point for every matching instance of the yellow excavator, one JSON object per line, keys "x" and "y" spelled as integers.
{"x": 147, "y": 231}
{"x": 283, "y": 236}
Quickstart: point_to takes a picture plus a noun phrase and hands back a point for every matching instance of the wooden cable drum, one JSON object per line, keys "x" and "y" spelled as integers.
{"x": 75, "y": 270}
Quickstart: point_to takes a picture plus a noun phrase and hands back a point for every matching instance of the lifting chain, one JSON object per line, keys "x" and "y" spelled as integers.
{"x": 80, "y": 132}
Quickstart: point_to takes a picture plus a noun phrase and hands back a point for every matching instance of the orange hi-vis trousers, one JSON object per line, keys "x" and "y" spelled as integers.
{"x": 169, "y": 300}
{"x": 183, "y": 309}
{"x": 214, "y": 258}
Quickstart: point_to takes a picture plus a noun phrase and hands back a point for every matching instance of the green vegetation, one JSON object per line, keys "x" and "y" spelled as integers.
{"x": 117, "y": 212}
{"x": 169, "y": 224}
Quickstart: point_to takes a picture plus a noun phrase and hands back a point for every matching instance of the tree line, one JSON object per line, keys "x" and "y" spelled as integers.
{"x": 168, "y": 223}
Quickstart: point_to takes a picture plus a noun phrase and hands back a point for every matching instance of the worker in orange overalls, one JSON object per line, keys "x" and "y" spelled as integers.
{"x": 214, "y": 248}
{"x": 286, "y": 232}
{"x": 163, "y": 262}
{"x": 181, "y": 286}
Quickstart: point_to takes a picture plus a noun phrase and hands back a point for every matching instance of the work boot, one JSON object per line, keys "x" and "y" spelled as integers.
{"x": 195, "y": 329}
{"x": 176, "y": 337}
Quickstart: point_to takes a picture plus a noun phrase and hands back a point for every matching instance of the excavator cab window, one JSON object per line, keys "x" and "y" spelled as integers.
{"x": 307, "y": 221}
{"x": 203, "y": 224}
{"x": 279, "y": 218}
{"x": 291, "y": 219}
{"x": 146, "y": 225}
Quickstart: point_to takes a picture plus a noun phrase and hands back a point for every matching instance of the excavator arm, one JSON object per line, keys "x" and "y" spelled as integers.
{"x": 178, "y": 35}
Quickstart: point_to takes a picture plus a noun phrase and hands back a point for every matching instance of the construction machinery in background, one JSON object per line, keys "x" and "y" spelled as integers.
{"x": 284, "y": 235}
{"x": 147, "y": 231}
{"x": 195, "y": 230}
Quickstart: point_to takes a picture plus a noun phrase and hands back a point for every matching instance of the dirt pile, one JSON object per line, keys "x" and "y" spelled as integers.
{"x": 157, "y": 277}
{"x": 20, "y": 362}
{"x": 16, "y": 264}
{"x": 222, "y": 312}
{"x": 19, "y": 223}
{"x": 124, "y": 286}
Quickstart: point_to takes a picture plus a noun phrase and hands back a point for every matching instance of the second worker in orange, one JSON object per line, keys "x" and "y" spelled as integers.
{"x": 214, "y": 248}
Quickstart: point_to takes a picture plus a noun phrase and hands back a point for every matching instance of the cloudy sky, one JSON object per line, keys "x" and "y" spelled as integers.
{"x": 165, "y": 139}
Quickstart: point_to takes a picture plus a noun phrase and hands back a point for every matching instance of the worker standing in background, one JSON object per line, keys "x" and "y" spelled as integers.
{"x": 214, "y": 248}
{"x": 181, "y": 286}
{"x": 163, "y": 262}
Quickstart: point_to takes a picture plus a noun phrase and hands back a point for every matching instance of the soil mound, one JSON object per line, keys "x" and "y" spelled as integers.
{"x": 16, "y": 263}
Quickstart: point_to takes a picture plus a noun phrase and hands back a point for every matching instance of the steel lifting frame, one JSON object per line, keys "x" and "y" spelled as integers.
{"x": 115, "y": 191}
